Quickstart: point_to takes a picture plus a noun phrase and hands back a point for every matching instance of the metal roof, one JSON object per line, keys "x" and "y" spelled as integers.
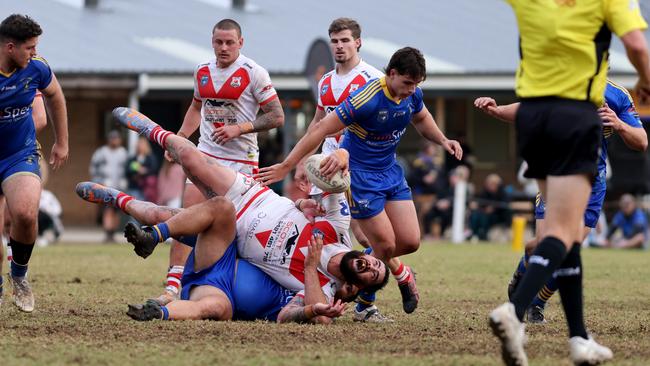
{"x": 166, "y": 36}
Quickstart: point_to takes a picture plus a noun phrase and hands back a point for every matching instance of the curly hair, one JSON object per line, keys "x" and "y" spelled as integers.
{"x": 19, "y": 28}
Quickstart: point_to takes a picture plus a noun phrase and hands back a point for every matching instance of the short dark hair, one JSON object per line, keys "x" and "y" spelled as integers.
{"x": 408, "y": 61}
{"x": 19, "y": 28}
{"x": 341, "y": 24}
{"x": 228, "y": 24}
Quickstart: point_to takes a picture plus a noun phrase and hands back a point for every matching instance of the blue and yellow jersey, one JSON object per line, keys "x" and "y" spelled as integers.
{"x": 376, "y": 121}
{"x": 17, "y": 91}
{"x": 619, "y": 100}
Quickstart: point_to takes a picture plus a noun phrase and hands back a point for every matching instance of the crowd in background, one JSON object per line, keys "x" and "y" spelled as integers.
{"x": 432, "y": 175}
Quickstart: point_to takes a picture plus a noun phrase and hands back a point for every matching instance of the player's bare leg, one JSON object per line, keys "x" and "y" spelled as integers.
{"x": 178, "y": 252}
{"x": 215, "y": 220}
{"x": 22, "y": 192}
{"x": 381, "y": 235}
{"x": 2, "y": 252}
{"x": 362, "y": 239}
{"x": 211, "y": 178}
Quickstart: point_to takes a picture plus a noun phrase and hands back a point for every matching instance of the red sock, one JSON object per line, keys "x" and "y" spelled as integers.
{"x": 122, "y": 200}
{"x": 174, "y": 279}
{"x": 402, "y": 274}
{"x": 159, "y": 135}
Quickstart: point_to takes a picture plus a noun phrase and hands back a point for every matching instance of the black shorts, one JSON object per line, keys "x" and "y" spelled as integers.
{"x": 558, "y": 137}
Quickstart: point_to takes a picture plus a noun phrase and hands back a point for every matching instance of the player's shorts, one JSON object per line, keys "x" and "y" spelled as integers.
{"x": 257, "y": 295}
{"x": 558, "y": 136}
{"x": 220, "y": 275}
{"x": 25, "y": 161}
{"x": 592, "y": 212}
{"x": 248, "y": 168}
{"x": 371, "y": 190}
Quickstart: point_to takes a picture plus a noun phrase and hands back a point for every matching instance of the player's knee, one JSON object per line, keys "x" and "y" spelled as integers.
{"x": 214, "y": 308}
{"x": 410, "y": 246}
{"x": 188, "y": 157}
{"x": 24, "y": 218}
{"x": 222, "y": 209}
{"x": 384, "y": 251}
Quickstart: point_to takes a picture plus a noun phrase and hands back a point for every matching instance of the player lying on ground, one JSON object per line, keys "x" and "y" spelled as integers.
{"x": 619, "y": 116}
{"x": 234, "y": 289}
{"x": 272, "y": 233}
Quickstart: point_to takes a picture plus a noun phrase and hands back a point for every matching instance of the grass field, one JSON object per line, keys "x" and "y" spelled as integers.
{"x": 82, "y": 292}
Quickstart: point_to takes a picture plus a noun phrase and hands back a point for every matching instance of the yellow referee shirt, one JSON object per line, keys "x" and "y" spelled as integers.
{"x": 564, "y": 45}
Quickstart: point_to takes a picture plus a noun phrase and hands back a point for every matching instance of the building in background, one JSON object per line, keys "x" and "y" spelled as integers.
{"x": 108, "y": 53}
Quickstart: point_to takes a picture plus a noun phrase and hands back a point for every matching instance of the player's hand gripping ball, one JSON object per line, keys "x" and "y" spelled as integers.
{"x": 337, "y": 184}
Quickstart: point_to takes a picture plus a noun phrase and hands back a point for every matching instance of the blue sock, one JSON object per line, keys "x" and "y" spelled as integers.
{"x": 160, "y": 232}
{"x": 367, "y": 251}
{"x": 18, "y": 270}
{"x": 545, "y": 293}
{"x": 521, "y": 268}
{"x": 165, "y": 313}
{"x": 365, "y": 300}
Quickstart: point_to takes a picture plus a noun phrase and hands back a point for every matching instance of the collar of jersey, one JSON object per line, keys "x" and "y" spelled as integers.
{"x": 382, "y": 81}
{"x": 8, "y": 74}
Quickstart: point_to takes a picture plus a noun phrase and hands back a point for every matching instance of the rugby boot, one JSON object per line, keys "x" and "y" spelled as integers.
{"x": 371, "y": 315}
{"x": 142, "y": 239}
{"x": 22, "y": 291}
{"x": 587, "y": 352}
{"x": 410, "y": 294}
{"x": 511, "y": 332}
{"x": 134, "y": 120}
{"x": 150, "y": 310}
{"x": 97, "y": 193}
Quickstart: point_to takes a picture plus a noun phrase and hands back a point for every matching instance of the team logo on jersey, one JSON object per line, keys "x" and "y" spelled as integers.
{"x": 353, "y": 87}
{"x": 382, "y": 116}
{"x": 204, "y": 80}
{"x": 323, "y": 90}
{"x": 235, "y": 82}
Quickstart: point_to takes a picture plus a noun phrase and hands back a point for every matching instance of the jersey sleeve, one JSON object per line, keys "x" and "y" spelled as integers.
{"x": 418, "y": 103}
{"x": 356, "y": 107}
{"x": 263, "y": 89}
{"x": 319, "y": 102}
{"x": 627, "y": 112}
{"x": 44, "y": 72}
{"x": 624, "y": 16}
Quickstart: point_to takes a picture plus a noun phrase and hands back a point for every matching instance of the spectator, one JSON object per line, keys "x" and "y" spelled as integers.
{"x": 442, "y": 210}
{"x": 426, "y": 180}
{"x": 171, "y": 179}
{"x": 489, "y": 208}
{"x": 467, "y": 160}
{"x": 141, "y": 172}
{"x": 107, "y": 168}
{"x": 633, "y": 224}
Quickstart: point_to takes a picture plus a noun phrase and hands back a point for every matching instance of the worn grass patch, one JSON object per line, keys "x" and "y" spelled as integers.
{"x": 82, "y": 292}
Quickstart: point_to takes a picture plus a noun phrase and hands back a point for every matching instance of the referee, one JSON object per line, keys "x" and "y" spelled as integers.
{"x": 564, "y": 49}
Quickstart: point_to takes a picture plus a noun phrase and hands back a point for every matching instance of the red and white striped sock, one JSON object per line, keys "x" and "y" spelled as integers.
{"x": 402, "y": 274}
{"x": 159, "y": 135}
{"x": 122, "y": 200}
{"x": 9, "y": 255}
{"x": 174, "y": 279}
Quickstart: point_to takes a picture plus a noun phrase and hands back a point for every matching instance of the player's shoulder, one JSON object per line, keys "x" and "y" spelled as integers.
{"x": 368, "y": 71}
{"x": 327, "y": 75}
{"x": 368, "y": 95}
{"x": 207, "y": 63}
{"x": 249, "y": 64}
{"x": 617, "y": 91}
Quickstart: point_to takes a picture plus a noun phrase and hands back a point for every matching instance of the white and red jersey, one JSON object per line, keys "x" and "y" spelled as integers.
{"x": 334, "y": 88}
{"x": 228, "y": 96}
{"x": 272, "y": 233}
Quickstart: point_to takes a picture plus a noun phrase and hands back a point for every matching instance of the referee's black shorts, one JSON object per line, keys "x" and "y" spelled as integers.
{"x": 558, "y": 136}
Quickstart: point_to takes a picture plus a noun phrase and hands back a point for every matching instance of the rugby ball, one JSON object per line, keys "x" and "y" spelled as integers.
{"x": 338, "y": 183}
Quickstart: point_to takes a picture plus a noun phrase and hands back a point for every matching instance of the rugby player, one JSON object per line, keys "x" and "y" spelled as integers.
{"x": 376, "y": 117}
{"x": 619, "y": 116}
{"x": 272, "y": 232}
{"x": 229, "y": 90}
{"x": 564, "y": 46}
{"x": 22, "y": 74}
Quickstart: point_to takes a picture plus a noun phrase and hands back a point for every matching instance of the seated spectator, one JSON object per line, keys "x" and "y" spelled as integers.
{"x": 633, "y": 224}
{"x": 489, "y": 208}
{"x": 441, "y": 212}
{"x": 426, "y": 179}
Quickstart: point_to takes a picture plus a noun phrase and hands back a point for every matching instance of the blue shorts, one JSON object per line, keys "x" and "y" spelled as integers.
{"x": 25, "y": 161}
{"x": 220, "y": 275}
{"x": 592, "y": 212}
{"x": 257, "y": 295}
{"x": 371, "y": 190}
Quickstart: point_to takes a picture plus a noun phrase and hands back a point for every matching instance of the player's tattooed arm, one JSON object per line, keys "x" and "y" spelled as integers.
{"x": 294, "y": 311}
{"x": 272, "y": 117}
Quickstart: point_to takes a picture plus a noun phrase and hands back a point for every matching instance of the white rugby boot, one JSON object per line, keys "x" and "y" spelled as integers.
{"x": 23, "y": 296}
{"x": 588, "y": 352}
{"x": 511, "y": 332}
